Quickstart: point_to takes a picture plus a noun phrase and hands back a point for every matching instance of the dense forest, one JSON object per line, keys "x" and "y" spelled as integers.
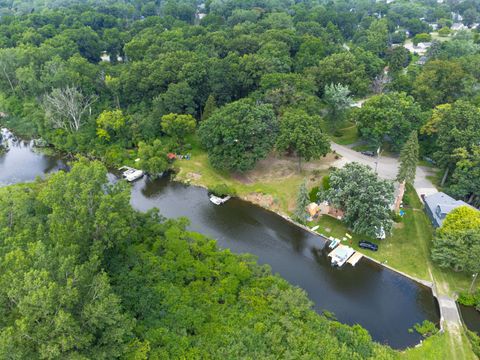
{"x": 99, "y": 280}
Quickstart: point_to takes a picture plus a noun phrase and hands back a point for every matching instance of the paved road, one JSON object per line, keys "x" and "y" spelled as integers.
{"x": 387, "y": 167}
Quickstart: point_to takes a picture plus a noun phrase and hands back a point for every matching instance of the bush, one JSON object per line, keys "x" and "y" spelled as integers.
{"x": 313, "y": 194}
{"x": 396, "y": 217}
{"x": 426, "y": 328}
{"x": 469, "y": 299}
{"x": 406, "y": 199}
{"x": 444, "y": 32}
{"x": 222, "y": 190}
{"x": 475, "y": 341}
{"x": 326, "y": 182}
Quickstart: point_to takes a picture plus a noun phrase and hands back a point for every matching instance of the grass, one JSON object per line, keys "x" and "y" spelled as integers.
{"x": 440, "y": 347}
{"x": 271, "y": 185}
{"x": 347, "y": 135}
{"x": 407, "y": 249}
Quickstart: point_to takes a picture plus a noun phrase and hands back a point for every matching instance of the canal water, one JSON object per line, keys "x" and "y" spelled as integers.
{"x": 471, "y": 317}
{"x": 384, "y": 302}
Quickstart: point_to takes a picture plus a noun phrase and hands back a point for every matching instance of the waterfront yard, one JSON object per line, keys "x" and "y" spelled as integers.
{"x": 273, "y": 183}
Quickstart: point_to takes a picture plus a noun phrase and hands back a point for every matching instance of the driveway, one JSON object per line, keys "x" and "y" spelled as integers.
{"x": 386, "y": 167}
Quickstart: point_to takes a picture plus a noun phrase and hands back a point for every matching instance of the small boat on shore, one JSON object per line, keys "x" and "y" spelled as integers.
{"x": 218, "y": 200}
{"x": 131, "y": 174}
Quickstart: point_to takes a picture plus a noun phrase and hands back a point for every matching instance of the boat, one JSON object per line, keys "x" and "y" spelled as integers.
{"x": 333, "y": 243}
{"x": 218, "y": 200}
{"x": 131, "y": 174}
{"x": 340, "y": 255}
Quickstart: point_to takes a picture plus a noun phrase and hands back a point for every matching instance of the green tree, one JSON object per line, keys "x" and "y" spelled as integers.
{"x": 60, "y": 300}
{"x": 178, "y": 126}
{"x": 110, "y": 123}
{"x": 409, "y": 159}
{"x": 457, "y": 242}
{"x": 302, "y": 135}
{"x": 421, "y": 38}
{"x": 364, "y": 198}
{"x": 209, "y": 108}
{"x": 453, "y": 126}
{"x": 153, "y": 158}
{"x": 239, "y": 134}
{"x": 339, "y": 102}
{"x": 440, "y": 82}
{"x": 398, "y": 58}
{"x": 302, "y": 202}
{"x": 341, "y": 68}
{"x": 465, "y": 180}
{"x": 389, "y": 117}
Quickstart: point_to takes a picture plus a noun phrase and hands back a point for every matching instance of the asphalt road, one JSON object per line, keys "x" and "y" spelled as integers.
{"x": 386, "y": 167}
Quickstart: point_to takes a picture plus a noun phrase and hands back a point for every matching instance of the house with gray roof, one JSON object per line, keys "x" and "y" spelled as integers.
{"x": 439, "y": 205}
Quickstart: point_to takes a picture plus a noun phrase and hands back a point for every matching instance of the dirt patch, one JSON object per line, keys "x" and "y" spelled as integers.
{"x": 275, "y": 168}
{"x": 263, "y": 200}
{"x": 399, "y": 225}
{"x": 193, "y": 176}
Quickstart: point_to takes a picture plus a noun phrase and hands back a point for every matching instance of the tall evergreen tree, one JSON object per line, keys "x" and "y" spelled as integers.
{"x": 210, "y": 107}
{"x": 409, "y": 159}
{"x": 302, "y": 202}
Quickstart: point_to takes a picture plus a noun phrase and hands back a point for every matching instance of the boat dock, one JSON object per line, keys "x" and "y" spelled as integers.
{"x": 342, "y": 254}
{"x": 355, "y": 258}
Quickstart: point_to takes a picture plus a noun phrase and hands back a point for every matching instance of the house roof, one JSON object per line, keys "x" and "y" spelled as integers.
{"x": 440, "y": 204}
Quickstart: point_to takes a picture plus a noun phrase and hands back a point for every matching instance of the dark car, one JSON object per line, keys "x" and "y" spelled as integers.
{"x": 368, "y": 153}
{"x": 368, "y": 245}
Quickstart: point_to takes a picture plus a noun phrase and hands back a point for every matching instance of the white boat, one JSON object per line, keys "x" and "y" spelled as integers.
{"x": 218, "y": 200}
{"x": 341, "y": 254}
{"x": 131, "y": 174}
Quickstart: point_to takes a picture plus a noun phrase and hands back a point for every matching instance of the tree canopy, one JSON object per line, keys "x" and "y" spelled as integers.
{"x": 239, "y": 134}
{"x": 457, "y": 242}
{"x": 364, "y": 198}
{"x": 100, "y": 280}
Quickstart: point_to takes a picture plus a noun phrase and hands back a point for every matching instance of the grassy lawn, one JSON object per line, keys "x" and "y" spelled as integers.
{"x": 441, "y": 346}
{"x": 407, "y": 249}
{"x": 348, "y": 135}
{"x": 272, "y": 184}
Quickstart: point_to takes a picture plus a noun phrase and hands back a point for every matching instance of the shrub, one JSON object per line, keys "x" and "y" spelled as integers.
{"x": 469, "y": 299}
{"x": 406, "y": 199}
{"x": 222, "y": 190}
{"x": 326, "y": 182}
{"x": 475, "y": 341}
{"x": 426, "y": 328}
{"x": 313, "y": 194}
{"x": 396, "y": 217}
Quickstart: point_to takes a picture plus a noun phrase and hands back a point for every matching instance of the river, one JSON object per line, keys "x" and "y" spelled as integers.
{"x": 382, "y": 301}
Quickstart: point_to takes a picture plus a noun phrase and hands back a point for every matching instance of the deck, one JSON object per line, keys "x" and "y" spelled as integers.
{"x": 355, "y": 258}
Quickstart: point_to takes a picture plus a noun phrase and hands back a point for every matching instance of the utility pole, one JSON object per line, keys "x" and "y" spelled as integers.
{"x": 474, "y": 276}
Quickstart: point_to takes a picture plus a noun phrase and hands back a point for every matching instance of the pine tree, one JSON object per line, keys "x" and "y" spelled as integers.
{"x": 409, "y": 159}
{"x": 302, "y": 202}
{"x": 210, "y": 107}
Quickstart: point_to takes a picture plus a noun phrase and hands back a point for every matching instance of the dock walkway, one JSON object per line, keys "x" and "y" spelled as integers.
{"x": 355, "y": 258}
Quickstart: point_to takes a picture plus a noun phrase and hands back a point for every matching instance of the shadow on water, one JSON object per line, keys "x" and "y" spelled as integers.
{"x": 380, "y": 300}
{"x": 471, "y": 317}
{"x": 384, "y": 302}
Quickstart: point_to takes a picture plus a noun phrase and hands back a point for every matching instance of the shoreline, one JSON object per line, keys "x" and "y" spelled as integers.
{"x": 426, "y": 283}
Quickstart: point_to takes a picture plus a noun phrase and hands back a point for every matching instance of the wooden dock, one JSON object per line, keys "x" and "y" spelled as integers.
{"x": 355, "y": 258}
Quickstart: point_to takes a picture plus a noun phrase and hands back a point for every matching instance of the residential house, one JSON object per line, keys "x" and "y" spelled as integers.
{"x": 439, "y": 205}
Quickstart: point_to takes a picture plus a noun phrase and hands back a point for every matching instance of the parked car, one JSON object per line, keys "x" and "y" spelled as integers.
{"x": 367, "y": 245}
{"x": 368, "y": 153}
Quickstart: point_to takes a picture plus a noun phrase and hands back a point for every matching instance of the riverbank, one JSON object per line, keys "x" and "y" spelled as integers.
{"x": 277, "y": 229}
